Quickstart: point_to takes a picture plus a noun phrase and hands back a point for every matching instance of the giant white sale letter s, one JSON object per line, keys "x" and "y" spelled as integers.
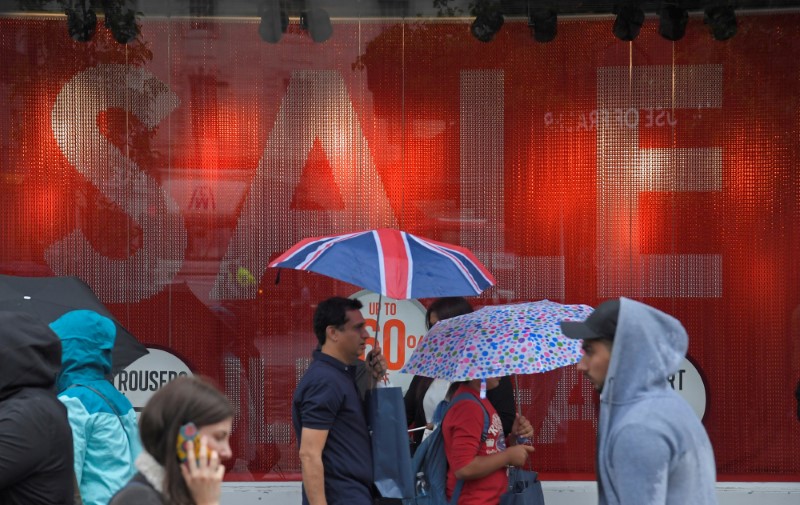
{"x": 74, "y": 120}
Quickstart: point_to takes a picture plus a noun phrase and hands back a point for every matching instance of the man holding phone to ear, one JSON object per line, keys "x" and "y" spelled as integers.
{"x": 327, "y": 410}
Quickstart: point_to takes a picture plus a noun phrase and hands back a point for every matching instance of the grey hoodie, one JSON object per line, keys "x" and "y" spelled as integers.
{"x": 652, "y": 449}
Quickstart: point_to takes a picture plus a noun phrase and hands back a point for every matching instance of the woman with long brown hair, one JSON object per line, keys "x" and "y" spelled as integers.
{"x": 184, "y": 408}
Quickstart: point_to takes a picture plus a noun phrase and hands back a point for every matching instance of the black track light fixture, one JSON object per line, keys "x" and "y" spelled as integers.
{"x": 274, "y": 21}
{"x": 486, "y": 25}
{"x": 81, "y": 20}
{"x": 317, "y": 22}
{"x": 488, "y": 20}
{"x": 121, "y": 20}
{"x": 628, "y": 23}
{"x": 672, "y": 19}
{"x": 721, "y": 20}
{"x": 543, "y": 24}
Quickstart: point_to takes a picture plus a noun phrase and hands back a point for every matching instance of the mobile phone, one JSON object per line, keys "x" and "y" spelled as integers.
{"x": 187, "y": 433}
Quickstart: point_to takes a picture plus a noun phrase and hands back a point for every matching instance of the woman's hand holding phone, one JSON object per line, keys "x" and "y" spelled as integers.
{"x": 203, "y": 474}
{"x": 187, "y": 433}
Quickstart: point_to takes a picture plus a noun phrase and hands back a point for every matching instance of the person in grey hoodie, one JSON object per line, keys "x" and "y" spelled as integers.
{"x": 651, "y": 447}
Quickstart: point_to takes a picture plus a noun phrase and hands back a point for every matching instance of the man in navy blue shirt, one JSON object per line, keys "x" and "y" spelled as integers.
{"x": 327, "y": 413}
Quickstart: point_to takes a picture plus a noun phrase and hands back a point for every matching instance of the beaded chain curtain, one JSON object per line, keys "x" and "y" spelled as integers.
{"x": 167, "y": 173}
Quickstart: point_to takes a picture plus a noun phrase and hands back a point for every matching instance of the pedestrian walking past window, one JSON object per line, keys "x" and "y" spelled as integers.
{"x": 327, "y": 411}
{"x": 651, "y": 447}
{"x": 103, "y": 422}
{"x": 35, "y": 440}
{"x": 185, "y": 429}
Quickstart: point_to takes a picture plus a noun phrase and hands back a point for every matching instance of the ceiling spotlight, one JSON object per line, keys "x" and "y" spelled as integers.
{"x": 486, "y": 25}
{"x": 721, "y": 20}
{"x": 121, "y": 20}
{"x": 543, "y": 24}
{"x": 318, "y": 24}
{"x": 630, "y": 17}
{"x": 81, "y": 21}
{"x": 274, "y": 22}
{"x": 672, "y": 22}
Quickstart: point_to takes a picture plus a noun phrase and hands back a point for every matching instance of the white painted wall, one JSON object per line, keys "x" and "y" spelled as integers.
{"x": 555, "y": 493}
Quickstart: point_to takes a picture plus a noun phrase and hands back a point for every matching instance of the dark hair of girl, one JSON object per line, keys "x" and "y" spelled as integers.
{"x": 181, "y": 401}
{"x": 447, "y": 307}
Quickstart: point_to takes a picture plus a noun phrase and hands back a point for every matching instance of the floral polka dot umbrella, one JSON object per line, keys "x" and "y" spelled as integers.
{"x": 499, "y": 340}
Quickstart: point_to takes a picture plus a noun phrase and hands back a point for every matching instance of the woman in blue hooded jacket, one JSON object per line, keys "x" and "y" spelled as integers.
{"x": 103, "y": 422}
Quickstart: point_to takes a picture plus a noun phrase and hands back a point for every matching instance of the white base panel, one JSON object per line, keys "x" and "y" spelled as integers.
{"x": 555, "y": 493}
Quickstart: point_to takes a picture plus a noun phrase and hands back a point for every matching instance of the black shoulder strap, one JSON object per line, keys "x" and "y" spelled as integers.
{"x": 138, "y": 481}
{"x": 113, "y": 408}
{"x": 101, "y": 395}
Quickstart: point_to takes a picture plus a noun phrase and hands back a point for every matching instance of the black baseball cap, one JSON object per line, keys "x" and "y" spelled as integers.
{"x": 602, "y": 323}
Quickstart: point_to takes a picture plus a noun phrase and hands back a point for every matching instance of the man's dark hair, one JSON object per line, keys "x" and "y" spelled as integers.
{"x": 609, "y": 343}
{"x": 332, "y": 312}
{"x": 445, "y": 308}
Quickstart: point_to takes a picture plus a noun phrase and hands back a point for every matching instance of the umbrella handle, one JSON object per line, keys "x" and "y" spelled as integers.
{"x": 519, "y": 411}
{"x": 378, "y": 320}
{"x": 384, "y": 380}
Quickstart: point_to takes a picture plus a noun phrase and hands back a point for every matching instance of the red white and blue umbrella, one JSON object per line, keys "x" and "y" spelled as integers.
{"x": 499, "y": 340}
{"x": 393, "y": 263}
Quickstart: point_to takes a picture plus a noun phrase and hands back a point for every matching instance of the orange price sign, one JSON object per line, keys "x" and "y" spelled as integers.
{"x": 402, "y": 324}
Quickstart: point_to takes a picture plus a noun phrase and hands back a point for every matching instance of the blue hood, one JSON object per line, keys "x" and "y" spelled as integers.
{"x": 86, "y": 341}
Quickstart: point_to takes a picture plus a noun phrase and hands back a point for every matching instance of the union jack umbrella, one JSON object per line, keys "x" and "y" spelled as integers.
{"x": 393, "y": 263}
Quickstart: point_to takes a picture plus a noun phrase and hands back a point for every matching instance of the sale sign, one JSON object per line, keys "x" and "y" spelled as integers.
{"x": 169, "y": 172}
{"x": 397, "y": 326}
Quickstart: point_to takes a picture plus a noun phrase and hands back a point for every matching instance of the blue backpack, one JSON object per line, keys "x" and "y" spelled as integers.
{"x": 430, "y": 458}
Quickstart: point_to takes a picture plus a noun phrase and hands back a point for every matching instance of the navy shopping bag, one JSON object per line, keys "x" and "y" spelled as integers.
{"x": 391, "y": 455}
{"x": 524, "y": 488}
